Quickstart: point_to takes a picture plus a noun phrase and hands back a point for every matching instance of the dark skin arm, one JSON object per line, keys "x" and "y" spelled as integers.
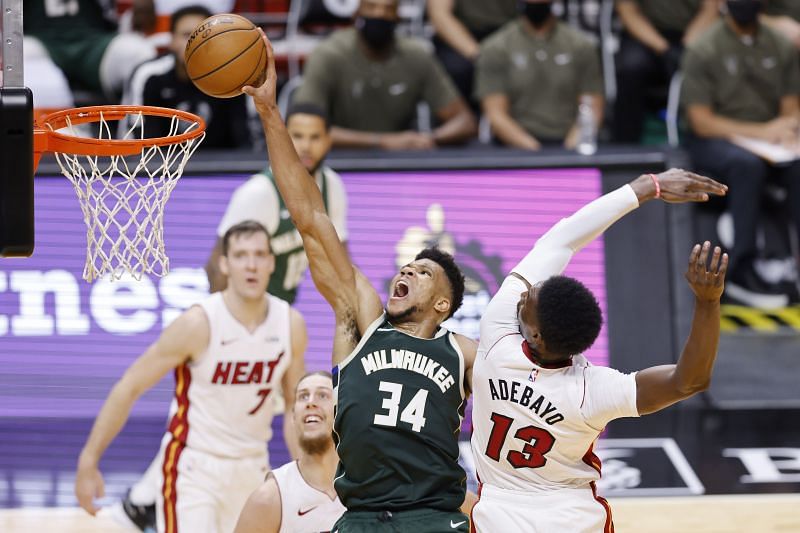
{"x": 661, "y": 386}
{"x": 355, "y": 302}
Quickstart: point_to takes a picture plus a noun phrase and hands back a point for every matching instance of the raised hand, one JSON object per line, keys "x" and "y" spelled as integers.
{"x": 678, "y": 186}
{"x": 265, "y": 96}
{"x": 707, "y": 282}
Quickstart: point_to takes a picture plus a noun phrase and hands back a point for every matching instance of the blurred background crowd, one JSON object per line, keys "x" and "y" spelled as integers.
{"x": 719, "y": 78}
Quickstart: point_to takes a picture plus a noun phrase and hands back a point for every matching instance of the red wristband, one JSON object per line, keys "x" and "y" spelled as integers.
{"x": 658, "y": 187}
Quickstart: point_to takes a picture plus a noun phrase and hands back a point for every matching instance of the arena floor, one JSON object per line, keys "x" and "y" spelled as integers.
{"x": 773, "y": 513}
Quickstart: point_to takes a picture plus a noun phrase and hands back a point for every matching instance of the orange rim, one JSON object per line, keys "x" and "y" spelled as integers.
{"x": 48, "y": 140}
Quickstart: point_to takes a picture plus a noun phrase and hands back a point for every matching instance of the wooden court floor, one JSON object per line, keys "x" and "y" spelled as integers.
{"x": 779, "y": 513}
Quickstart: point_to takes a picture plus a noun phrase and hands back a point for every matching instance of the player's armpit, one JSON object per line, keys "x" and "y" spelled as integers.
{"x": 262, "y": 511}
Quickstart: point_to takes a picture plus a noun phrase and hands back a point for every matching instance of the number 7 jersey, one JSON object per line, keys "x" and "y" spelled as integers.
{"x": 223, "y": 402}
{"x": 399, "y": 405}
{"x": 534, "y": 428}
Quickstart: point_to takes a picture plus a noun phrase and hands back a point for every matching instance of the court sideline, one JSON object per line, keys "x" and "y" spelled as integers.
{"x": 764, "y": 513}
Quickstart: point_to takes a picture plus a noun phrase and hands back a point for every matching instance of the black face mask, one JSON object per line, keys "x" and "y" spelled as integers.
{"x": 537, "y": 13}
{"x": 378, "y": 33}
{"x": 744, "y": 12}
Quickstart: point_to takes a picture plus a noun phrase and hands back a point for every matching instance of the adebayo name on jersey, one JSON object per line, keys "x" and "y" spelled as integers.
{"x": 503, "y": 390}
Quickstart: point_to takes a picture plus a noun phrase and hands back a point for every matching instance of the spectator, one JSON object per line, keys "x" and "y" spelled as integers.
{"x": 531, "y": 75}
{"x": 164, "y": 82}
{"x": 784, "y": 16}
{"x": 653, "y": 37}
{"x": 370, "y": 81}
{"x": 81, "y": 40}
{"x": 742, "y": 78}
{"x": 460, "y": 26}
{"x": 258, "y": 198}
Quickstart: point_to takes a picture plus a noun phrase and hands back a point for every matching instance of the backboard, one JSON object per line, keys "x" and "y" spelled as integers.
{"x": 16, "y": 139}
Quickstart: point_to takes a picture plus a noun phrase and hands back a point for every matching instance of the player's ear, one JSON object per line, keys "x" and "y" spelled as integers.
{"x": 541, "y": 345}
{"x": 223, "y": 265}
{"x": 271, "y": 263}
{"x": 442, "y": 305}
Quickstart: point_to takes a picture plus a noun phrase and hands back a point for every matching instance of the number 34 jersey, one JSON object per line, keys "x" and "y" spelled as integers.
{"x": 534, "y": 428}
{"x": 223, "y": 399}
{"x": 399, "y": 405}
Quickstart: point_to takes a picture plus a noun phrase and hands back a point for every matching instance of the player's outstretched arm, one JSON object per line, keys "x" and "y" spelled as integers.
{"x": 186, "y": 336}
{"x": 661, "y": 386}
{"x": 295, "y": 371}
{"x": 262, "y": 512}
{"x": 335, "y": 276}
{"x": 555, "y": 248}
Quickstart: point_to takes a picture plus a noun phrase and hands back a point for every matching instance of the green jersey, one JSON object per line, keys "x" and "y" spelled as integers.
{"x": 291, "y": 262}
{"x": 258, "y": 199}
{"x": 400, "y": 402}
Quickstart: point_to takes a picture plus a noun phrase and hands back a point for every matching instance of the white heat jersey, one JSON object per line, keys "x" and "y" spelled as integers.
{"x": 304, "y": 509}
{"x": 533, "y": 427}
{"x": 222, "y": 402}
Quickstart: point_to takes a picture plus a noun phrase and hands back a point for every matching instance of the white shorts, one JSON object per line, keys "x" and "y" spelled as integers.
{"x": 576, "y": 510}
{"x": 203, "y": 493}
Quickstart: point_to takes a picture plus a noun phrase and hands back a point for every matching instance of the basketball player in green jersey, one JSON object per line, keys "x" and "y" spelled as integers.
{"x": 401, "y": 380}
{"x": 258, "y": 199}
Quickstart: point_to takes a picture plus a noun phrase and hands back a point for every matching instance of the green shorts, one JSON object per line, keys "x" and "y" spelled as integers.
{"x": 414, "y": 521}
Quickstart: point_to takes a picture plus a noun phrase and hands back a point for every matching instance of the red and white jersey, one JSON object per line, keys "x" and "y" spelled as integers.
{"x": 304, "y": 509}
{"x": 534, "y": 428}
{"x": 222, "y": 402}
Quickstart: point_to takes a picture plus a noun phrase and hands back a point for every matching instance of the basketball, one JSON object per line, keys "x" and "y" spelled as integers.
{"x": 223, "y": 54}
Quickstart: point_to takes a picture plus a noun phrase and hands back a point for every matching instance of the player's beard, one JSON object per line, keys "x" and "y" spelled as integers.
{"x": 402, "y": 315}
{"x": 315, "y": 445}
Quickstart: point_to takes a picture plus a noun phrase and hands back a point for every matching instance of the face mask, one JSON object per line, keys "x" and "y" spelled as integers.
{"x": 744, "y": 12}
{"x": 537, "y": 13}
{"x": 378, "y": 33}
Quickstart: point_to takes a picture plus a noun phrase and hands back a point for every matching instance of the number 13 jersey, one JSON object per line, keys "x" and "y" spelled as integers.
{"x": 534, "y": 428}
{"x": 400, "y": 402}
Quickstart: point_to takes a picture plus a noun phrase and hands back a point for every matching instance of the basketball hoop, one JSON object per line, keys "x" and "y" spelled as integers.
{"x": 122, "y": 183}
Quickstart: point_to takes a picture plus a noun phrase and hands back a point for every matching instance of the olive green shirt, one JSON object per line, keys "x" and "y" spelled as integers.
{"x": 481, "y": 16}
{"x": 542, "y": 78}
{"x": 738, "y": 80}
{"x": 670, "y": 15}
{"x": 366, "y": 95}
{"x": 790, "y": 8}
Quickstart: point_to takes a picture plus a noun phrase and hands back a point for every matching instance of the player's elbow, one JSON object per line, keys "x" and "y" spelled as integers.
{"x": 691, "y": 388}
{"x": 127, "y": 390}
{"x": 310, "y": 222}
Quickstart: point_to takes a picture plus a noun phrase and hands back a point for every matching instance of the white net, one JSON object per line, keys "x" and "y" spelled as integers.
{"x": 123, "y": 197}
